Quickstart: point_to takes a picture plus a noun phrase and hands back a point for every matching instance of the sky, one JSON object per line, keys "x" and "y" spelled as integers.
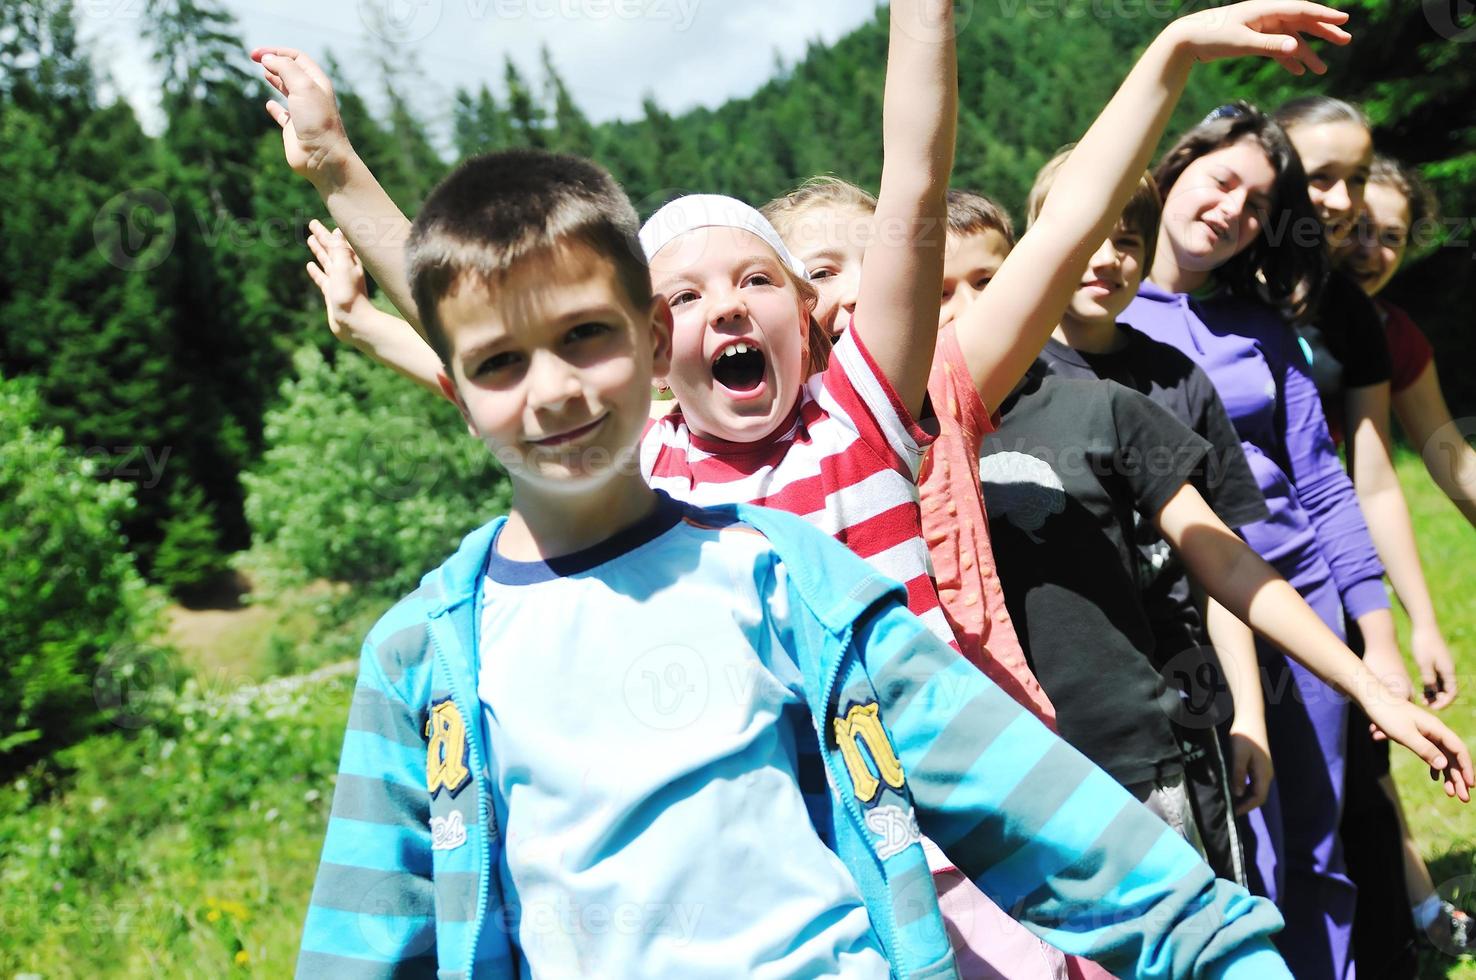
{"x": 611, "y": 53}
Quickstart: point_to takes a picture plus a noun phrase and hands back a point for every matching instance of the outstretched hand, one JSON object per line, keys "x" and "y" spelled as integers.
{"x": 1427, "y": 737}
{"x": 338, "y": 273}
{"x": 1268, "y": 28}
{"x": 313, "y": 137}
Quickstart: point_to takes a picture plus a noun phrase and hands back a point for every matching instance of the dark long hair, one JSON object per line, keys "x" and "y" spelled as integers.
{"x": 1287, "y": 264}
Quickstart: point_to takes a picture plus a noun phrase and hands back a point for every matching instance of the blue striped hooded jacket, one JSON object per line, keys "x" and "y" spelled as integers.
{"x": 910, "y": 736}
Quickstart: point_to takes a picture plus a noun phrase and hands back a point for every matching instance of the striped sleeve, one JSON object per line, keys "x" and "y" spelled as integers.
{"x": 372, "y": 912}
{"x": 1045, "y": 833}
{"x": 856, "y": 391}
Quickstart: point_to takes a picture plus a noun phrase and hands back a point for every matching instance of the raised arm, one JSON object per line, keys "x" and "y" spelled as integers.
{"x": 1241, "y": 581}
{"x": 1003, "y": 331}
{"x": 1449, "y": 457}
{"x": 902, "y": 273}
{"x": 353, "y": 319}
{"x": 1387, "y": 514}
{"x": 317, "y": 148}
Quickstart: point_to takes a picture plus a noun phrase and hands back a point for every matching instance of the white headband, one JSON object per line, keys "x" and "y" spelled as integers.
{"x": 712, "y": 211}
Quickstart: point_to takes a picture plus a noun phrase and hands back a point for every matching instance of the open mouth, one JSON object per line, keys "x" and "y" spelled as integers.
{"x": 739, "y": 367}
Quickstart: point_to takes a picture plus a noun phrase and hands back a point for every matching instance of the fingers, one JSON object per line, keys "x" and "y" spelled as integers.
{"x": 266, "y": 49}
{"x": 320, "y": 251}
{"x": 1308, "y": 57}
{"x": 318, "y": 276}
{"x": 290, "y": 72}
{"x": 278, "y": 112}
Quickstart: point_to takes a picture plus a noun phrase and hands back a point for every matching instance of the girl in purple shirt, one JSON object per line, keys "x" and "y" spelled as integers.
{"x": 1241, "y": 255}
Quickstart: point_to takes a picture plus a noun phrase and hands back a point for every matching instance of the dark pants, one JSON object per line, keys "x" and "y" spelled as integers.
{"x": 1373, "y": 844}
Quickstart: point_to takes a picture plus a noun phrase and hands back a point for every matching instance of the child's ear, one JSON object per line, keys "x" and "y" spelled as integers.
{"x": 448, "y": 388}
{"x": 661, "y": 328}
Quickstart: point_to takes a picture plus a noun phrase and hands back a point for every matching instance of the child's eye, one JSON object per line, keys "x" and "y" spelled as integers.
{"x": 759, "y": 279}
{"x": 820, "y": 274}
{"x": 498, "y": 362}
{"x": 587, "y": 331}
{"x": 682, "y": 298}
{"x": 981, "y": 282}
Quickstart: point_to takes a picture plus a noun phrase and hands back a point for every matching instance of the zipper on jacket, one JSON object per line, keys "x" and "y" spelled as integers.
{"x": 848, "y": 800}
{"x": 479, "y": 776}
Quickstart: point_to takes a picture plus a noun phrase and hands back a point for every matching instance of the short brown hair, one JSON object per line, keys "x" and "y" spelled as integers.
{"x": 971, "y": 213}
{"x": 499, "y": 209}
{"x": 1142, "y": 214}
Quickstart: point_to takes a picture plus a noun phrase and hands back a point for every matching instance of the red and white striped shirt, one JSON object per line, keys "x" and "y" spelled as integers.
{"x": 847, "y": 461}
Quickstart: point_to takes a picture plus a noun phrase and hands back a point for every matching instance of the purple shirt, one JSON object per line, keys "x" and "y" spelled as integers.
{"x": 1252, "y": 356}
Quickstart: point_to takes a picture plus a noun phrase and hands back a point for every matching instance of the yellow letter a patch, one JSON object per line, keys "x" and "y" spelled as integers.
{"x": 862, "y": 726}
{"x": 446, "y": 755}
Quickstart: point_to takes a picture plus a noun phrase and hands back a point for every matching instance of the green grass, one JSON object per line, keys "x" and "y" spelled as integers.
{"x": 1445, "y": 830}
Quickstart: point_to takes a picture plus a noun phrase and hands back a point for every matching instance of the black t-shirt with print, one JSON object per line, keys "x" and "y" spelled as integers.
{"x": 1175, "y": 383}
{"x": 1345, "y": 348}
{"x": 1070, "y": 466}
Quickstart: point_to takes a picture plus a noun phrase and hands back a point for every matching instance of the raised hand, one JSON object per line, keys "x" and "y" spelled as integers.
{"x": 313, "y": 137}
{"x": 338, "y": 273}
{"x": 1268, "y": 28}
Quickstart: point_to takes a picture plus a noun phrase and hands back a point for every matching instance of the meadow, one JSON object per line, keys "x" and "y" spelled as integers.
{"x": 185, "y": 843}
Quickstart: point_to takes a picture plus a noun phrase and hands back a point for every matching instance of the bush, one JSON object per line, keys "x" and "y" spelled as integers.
{"x": 74, "y": 613}
{"x": 188, "y": 558}
{"x": 365, "y": 479}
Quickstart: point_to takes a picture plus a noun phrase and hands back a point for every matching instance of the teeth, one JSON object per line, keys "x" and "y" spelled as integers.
{"x": 735, "y": 349}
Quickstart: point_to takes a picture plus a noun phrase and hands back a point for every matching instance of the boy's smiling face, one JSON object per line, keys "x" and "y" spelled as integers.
{"x": 552, "y": 366}
{"x": 1111, "y": 280}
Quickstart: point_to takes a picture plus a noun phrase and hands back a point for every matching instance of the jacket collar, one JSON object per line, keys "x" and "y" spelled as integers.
{"x": 837, "y": 585}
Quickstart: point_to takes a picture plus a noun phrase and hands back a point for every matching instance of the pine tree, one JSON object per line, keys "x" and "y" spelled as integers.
{"x": 572, "y": 132}
{"x": 527, "y": 116}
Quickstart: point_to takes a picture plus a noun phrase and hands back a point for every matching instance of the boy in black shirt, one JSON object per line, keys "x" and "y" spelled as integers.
{"x": 1089, "y": 343}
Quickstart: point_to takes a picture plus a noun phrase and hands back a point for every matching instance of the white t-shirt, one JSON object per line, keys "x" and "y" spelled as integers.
{"x": 643, "y": 716}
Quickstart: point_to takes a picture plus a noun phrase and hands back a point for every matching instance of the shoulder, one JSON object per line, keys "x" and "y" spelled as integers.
{"x": 832, "y": 580}
{"x": 397, "y": 649}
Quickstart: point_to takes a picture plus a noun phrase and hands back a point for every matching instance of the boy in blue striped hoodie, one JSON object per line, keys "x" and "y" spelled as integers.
{"x": 615, "y": 735}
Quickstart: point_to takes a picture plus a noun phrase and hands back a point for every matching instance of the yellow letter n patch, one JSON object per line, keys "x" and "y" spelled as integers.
{"x": 447, "y": 754}
{"x": 861, "y": 727}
